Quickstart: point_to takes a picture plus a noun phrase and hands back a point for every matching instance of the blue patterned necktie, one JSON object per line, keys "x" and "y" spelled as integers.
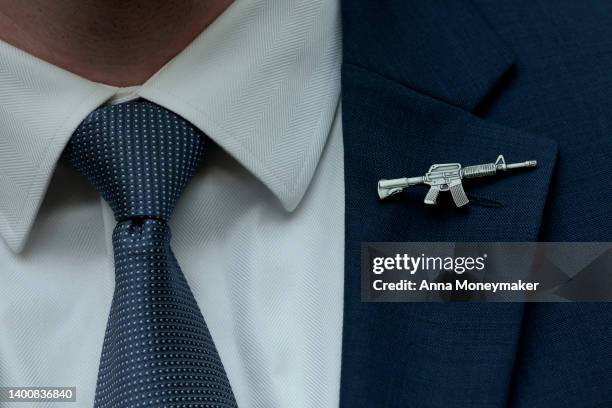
{"x": 157, "y": 350}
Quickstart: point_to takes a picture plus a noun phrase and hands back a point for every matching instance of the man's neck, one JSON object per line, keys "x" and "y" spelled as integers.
{"x": 116, "y": 42}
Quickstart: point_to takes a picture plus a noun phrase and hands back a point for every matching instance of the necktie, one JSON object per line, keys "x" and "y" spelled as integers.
{"x": 157, "y": 349}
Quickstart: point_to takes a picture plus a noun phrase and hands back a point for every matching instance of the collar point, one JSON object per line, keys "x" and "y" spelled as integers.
{"x": 289, "y": 199}
{"x": 290, "y": 202}
{"x": 14, "y": 241}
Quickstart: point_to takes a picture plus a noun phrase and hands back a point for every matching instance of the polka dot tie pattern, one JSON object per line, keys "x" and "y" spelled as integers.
{"x": 157, "y": 350}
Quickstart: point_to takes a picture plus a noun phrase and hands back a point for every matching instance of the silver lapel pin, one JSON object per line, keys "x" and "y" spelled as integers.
{"x": 447, "y": 177}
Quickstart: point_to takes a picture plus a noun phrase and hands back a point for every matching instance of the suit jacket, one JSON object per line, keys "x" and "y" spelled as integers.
{"x": 434, "y": 81}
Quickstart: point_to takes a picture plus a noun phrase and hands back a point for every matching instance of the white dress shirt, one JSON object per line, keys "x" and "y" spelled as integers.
{"x": 259, "y": 232}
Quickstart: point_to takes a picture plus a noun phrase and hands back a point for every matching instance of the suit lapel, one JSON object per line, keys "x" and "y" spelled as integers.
{"x": 413, "y": 73}
{"x": 441, "y": 48}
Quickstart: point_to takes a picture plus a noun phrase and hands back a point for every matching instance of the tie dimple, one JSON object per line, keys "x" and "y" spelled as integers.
{"x": 157, "y": 349}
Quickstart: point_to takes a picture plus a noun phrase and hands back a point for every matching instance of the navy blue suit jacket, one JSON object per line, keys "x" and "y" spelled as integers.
{"x": 434, "y": 81}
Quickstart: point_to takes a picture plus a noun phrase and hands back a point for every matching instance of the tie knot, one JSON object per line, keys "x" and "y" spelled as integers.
{"x": 138, "y": 155}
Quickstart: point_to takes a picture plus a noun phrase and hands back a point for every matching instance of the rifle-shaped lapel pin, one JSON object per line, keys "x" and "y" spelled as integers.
{"x": 447, "y": 177}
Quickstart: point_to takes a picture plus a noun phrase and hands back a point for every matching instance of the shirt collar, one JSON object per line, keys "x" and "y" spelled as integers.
{"x": 262, "y": 81}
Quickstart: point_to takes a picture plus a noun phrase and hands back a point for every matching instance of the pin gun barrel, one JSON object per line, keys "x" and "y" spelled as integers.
{"x": 529, "y": 163}
{"x": 489, "y": 169}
